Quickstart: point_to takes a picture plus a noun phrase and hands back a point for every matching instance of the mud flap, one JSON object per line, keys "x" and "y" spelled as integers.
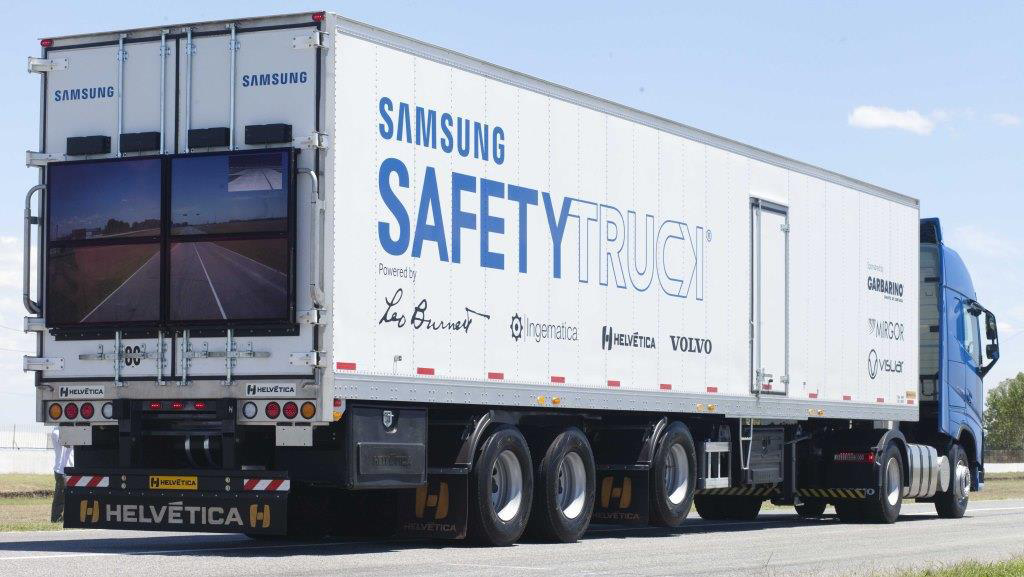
{"x": 235, "y": 513}
{"x": 622, "y": 498}
{"x": 437, "y": 510}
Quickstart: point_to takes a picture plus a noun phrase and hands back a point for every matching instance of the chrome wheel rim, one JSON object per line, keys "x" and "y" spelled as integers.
{"x": 893, "y": 482}
{"x": 571, "y": 485}
{"x": 506, "y": 486}
{"x": 962, "y": 481}
{"x": 677, "y": 474}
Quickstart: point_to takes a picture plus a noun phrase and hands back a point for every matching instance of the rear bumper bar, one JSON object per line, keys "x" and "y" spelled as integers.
{"x": 157, "y": 500}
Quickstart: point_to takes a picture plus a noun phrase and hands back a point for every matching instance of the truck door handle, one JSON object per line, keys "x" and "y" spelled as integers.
{"x": 31, "y": 305}
{"x": 315, "y": 292}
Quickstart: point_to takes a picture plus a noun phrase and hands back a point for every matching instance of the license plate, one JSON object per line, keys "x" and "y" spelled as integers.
{"x": 173, "y": 483}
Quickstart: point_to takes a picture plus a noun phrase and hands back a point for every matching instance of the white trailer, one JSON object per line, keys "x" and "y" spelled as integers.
{"x": 348, "y": 260}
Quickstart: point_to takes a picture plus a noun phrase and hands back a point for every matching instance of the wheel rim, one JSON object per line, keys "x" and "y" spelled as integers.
{"x": 506, "y": 486}
{"x": 962, "y": 481}
{"x": 893, "y": 483}
{"x": 571, "y": 488}
{"x": 677, "y": 474}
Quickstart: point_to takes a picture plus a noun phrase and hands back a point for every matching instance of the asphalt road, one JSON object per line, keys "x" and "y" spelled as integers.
{"x": 213, "y": 282}
{"x": 136, "y": 298}
{"x": 776, "y": 544}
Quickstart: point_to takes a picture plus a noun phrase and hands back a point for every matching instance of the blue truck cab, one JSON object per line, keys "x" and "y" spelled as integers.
{"x": 959, "y": 344}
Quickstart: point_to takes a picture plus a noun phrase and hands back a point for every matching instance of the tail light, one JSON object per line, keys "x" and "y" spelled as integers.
{"x": 291, "y": 410}
{"x": 177, "y": 405}
{"x": 154, "y": 405}
{"x": 308, "y": 410}
{"x": 71, "y": 411}
{"x": 273, "y": 410}
{"x": 318, "y": 16}
{"x": 55, "y": 411}
{"x": 107, "y": 410}
{"x": 199, "y": 405}
{"x": 87, "y": 410}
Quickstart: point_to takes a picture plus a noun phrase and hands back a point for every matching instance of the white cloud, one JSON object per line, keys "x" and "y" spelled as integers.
{"x": 1005, "y": 119}
{"x": 873, "y": 117}
{"x": 981, "y": 242}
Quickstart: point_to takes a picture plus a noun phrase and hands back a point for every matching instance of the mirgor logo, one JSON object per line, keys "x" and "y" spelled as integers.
{"x": 878, "y": 365}
{"x": 886, "y": 329}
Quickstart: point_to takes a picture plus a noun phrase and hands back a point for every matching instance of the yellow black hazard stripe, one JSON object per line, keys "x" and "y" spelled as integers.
{"x": 835, "y": 493}
{"x": 759, "y": 491}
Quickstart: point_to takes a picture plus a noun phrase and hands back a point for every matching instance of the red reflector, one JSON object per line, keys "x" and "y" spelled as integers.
{"x": 337, "y": 403}
{"x": 847, "y": 398}
{"x": 46, "y": 42}
{"x": 154, "y": 406}
{"x": 613, "y": 383}
{"x": 424, "y": 371}
{"x": 812, "y": 395}
{"x": 346, "y": 366}
{"x": 70, "y": 411}
{"x": 290, "y": 410}
{"x": 199, "y": 405}
{"x": 88, "y": 411}
{"x": 177, "y": 405}
{"x": 318, "y": 16}
{"x": 496, "y": 376}
{"x": 273, "y": 410}
{"x": 712, "y": 389}
{"x": 665, "y": 386}
{"x": 556, "y": 379}
{"x": 871, "y": 458}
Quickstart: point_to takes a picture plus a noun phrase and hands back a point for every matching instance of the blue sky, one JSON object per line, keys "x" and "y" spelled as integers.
{"x": 924, "y": 98}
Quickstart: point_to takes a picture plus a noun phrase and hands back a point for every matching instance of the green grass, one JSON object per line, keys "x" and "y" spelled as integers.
{"x": 1013, "y": 568}
{"x": 26, "y": 514}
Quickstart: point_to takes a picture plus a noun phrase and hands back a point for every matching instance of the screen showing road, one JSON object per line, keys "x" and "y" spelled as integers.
{"x": 229, "y": 280}
{"x": 94, "y": 200}
{"x": 229, "y": 193}
{"x": 101, "y": 284}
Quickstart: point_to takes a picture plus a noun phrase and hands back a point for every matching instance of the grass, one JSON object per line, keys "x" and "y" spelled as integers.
{"x": 24, "y": 485}
{"x": 26, "y": 514}
{"x": 1012, "y": 568}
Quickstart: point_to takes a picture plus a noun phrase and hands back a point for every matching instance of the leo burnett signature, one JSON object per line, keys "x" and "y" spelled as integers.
{"x": 420, "y": 319}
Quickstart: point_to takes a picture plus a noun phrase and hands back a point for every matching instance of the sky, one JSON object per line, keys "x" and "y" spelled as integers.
{"x": 925, "y": 98}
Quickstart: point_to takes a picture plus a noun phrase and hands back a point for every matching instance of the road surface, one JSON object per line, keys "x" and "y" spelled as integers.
{"x": 777, "y": 544}
{"x": 209, "y": 281}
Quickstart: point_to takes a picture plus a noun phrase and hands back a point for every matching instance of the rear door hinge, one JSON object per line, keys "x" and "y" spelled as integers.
{"x": 310, "y": 317}
{"x": 41, "y": 65}
{"x": 315, "y": 140}
{"x": 35, "y": 324}
{"x": 42, "y": 363}
{"x": 41, "y": 158}
{"x": 308, "y": 359}
{"x": 315, "y": 39}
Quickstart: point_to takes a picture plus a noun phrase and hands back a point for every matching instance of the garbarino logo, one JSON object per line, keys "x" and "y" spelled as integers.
{"x": 891, "y": 289}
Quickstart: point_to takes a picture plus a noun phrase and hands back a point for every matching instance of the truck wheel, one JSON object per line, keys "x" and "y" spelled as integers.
{"x": 501, "y": 489}
{"x": 709, "y": 507}
{"x": 811, "y": 508}
{"x": 850, "y": 511}
{"x": 953, "y": 503}
{"x": 564, "y": 499}
{"x": 673, "y": 477}
{"x": 886, "y": 504}
{"x": 744, "y": 508}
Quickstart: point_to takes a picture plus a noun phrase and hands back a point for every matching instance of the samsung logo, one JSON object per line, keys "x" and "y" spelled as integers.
{"x": 91, "y": 93}
{"x": 274, "y": 79}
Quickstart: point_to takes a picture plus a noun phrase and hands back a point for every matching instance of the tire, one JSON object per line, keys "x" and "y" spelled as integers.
{"x": 564, "y": 496}
{"x": 953, "y": 503}
{"x": 850, "y": 511}
{"x": 811, "y": 509}
{"x": 885, "y": 506}
{"x": 673, "y": 477}
{"x": 501, "y": 489}
{"x": 718, "y": 508}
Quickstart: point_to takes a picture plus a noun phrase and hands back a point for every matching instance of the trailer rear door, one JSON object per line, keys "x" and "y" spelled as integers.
{"x": 770, "y": 297}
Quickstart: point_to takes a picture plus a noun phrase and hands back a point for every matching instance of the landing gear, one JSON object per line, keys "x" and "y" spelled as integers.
{"x": 952, "y": 504}
{"x": 564, "y": 499}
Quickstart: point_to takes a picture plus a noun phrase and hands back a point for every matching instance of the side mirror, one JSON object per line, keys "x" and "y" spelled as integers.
{"x": 992, "y": 334}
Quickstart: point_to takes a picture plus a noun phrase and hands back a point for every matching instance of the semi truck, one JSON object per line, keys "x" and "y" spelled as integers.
{"x": 297, "y": 275}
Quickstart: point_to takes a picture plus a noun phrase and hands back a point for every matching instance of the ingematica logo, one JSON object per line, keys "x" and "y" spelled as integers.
{"x": 523, "y": 328}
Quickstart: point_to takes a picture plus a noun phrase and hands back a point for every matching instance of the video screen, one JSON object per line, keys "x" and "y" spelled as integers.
{"x": 92, "y": 200}
{"x": 101, "y": 284}
{"x": 230, "y": 193}
{"x": 229, "y": 280}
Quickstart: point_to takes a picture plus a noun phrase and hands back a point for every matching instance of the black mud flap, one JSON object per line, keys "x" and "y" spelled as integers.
{"x": 622, "y": 498}
{"x": 244, "y": 512}
{"x": 438, "y": 510}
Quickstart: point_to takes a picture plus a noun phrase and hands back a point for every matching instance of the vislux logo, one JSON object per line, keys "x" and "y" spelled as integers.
{"x": 878, "y": 365}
